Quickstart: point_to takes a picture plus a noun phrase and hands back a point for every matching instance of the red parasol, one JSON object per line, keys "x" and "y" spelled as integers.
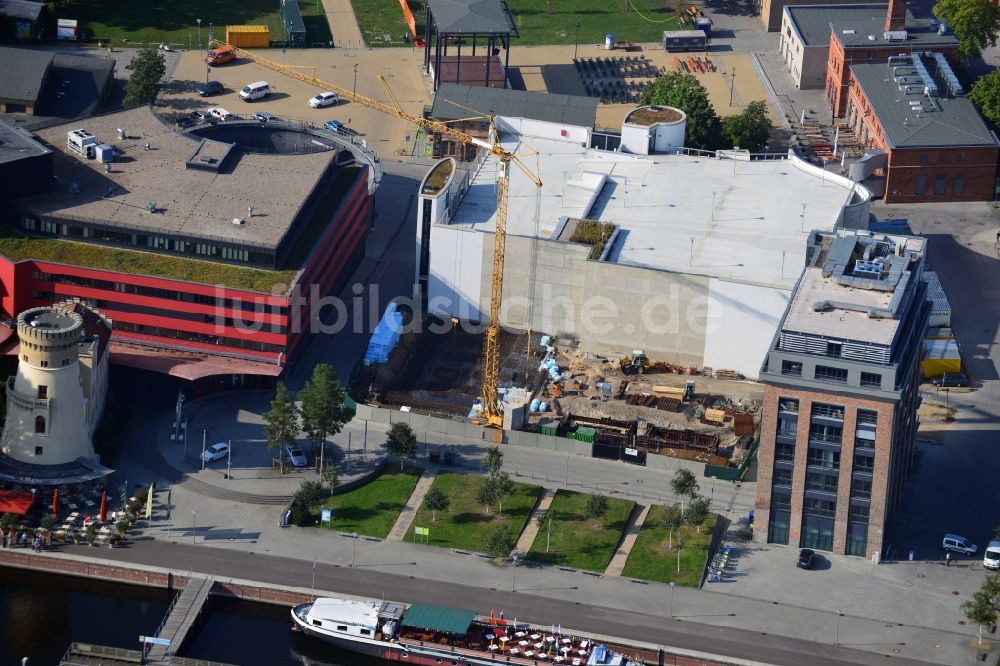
{"x": 104, "y": 505}
{"x": 55, "y": 502}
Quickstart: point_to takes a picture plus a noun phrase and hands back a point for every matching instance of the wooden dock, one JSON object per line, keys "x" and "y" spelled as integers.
{"x": 180, "y": 618}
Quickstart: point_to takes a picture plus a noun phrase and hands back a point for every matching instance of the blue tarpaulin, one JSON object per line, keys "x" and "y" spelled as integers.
{"x": 385, "y": 337}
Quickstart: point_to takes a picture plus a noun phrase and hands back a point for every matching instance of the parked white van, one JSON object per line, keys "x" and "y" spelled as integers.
{"x": 254, "y": 91}
{"x": 958, "y": 544}
{"x": 991, "y": 558}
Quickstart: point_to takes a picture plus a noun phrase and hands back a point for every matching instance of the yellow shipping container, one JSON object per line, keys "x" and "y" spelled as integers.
{"x": 249, "y": 36}
{"x": 941, "y": 357}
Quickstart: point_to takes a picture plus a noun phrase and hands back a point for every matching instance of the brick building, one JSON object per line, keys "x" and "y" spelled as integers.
{"x": 924, "y": 140}
{"x": 841, "y": 394}
{"x": 876, "y": 38}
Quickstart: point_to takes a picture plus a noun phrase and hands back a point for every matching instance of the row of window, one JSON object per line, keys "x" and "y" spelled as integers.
{"x": 156, "y": 292}
{"x": 825, "y": 373}
{"x": 940, "y": 185}
{"x": 172, "y": 334}
{"x": 826, "y": 483}
{"x": 826, "y": 508}
{"x": 45, "y": 364}
{"x": 817, "y": 532}
{"x": 161, "y": 243}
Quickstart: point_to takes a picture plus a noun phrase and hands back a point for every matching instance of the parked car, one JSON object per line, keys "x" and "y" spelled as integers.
{"x": 295, "y": 455}
{"x": 806, "y": 558}
{"x": 953, "y": 380}
{"x": 991, "y": 557}
{"x": 200, "y": 116}
{"x": 262, "y": 116}
{"x": 958, "y": 544}
{"x": 323, "y": 99}
{"x": 219, "y": 113}
{"x": 220, "y": 56}
{"x": 334, "y": 125}
{"x": 210, "y": 88}
{"x": 215, "y": 452}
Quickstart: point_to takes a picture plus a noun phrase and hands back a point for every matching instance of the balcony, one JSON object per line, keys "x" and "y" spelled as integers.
{"x": 22, "y": 400}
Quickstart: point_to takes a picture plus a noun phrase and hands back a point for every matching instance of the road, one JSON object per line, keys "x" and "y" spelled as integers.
{"x": 535, "y": 608}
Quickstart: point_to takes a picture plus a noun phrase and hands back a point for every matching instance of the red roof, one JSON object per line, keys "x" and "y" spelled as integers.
{"x": 14, "y": 501}
{"x": 187, "y": 365}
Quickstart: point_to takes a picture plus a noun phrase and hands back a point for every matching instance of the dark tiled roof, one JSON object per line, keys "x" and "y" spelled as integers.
{"x": 469, "y": 16}
{"x": 567, "y": 109}
{"x": 953, "y": 122}
{"x": 813, "y": 21}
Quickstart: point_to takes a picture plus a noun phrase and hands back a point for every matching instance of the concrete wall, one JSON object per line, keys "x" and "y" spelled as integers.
{"x": 458, "y": 253}
{"x": 806, "y": 64}
{"x": 527, "y": 127}
{"x": 751, "y": 316}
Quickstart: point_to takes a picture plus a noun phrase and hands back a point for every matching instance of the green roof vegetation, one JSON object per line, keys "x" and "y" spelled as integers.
{"x": 438, "y": 176}
{"x": 591, "y": 232}
{"x": 91, "y": 255}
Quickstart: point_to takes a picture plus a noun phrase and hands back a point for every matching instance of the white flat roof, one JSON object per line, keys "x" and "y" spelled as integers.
{"x": 661, "y": 202}
{"x": 838, "y": 322}
{"x": 361, "y": 613}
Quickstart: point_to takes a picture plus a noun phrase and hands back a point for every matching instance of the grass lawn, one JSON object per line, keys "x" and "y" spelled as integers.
{"x": 651, "y": 560}
{"x": 377, "y": 18}
{"x": 175, "y": 22}
{"x": 575, "y": 541}
{"x": 373, "y": 508}
{"x": 465, "y": 524}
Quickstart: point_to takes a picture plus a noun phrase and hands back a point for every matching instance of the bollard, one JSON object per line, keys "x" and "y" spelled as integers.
{"x": 911, "y": 555}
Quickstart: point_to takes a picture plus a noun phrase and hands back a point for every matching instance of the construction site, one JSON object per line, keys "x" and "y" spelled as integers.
{"x": 628, "y": 406}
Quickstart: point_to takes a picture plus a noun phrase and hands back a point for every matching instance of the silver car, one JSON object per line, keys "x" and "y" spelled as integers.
{"x": 215, "y": 452}
{"x": 296, "y": 456}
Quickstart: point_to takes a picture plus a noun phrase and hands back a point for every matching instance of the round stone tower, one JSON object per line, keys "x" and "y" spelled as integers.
{"x": 46, "y": 404}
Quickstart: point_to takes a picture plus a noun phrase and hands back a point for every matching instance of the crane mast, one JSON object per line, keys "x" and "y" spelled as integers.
{"x": 492, "y": 412}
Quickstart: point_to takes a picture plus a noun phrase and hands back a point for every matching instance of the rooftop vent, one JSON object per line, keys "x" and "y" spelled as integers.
{"x": 895, "y": 35}
{"x": 239, "y": 221}
{"x": 901, "y": 59}
{"x": 950, "y": 80}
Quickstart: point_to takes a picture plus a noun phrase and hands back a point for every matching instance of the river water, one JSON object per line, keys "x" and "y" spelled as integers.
{"x": 41, "y": 614}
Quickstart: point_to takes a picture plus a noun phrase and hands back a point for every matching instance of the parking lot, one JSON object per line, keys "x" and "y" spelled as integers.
{"x": 290, "y": 97}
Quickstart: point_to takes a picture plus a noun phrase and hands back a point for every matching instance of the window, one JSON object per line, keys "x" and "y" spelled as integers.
{"x": 341, "y": 627}
{"x": 817, "y": 532}
{"x": 782, "y": 477}
{"x": 943, "y": 158}
{"x": 790, "y": 405}
{"x": 833, "y": 349}
{"x": 781, "y": 500}
{"x": 784, "y": 452}
{"x": 825, "y": 433}
{"x": 366, "y": 632}
{"x": 823, "y": 458}
{"x": 826, "y": 411}
{"x": 792, "y": 368}
{"x": 864, "y": 439}
{"x": 939, "y": 185}
{"x": 959, "y": 185}
{"x": 924, "y": 159}
{"x": 786, "y": 428}
{"x": 38, "y": 450}
{"x": 40, "y": 425}
{"x": 865, "y": 464}
{"x": 825, "y": 373}
{"x": 859, "y": 512}
{"x": 777, "y": 527}
{"x": 818, "y": 507}
{"x": 318, "y": 623}
{"x": 921, "y": 185}
{"x": 867, "y": 417}
{"x": 822, "y": 482}
{"x": 871, "y": 380}
{"x": 861, "y": 488}
{"x": 44, "y": 364}
{"x": 43, "y": 392}
{"x": 857, "y": 538}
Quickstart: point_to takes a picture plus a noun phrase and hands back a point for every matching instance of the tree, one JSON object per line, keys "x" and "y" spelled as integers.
{"x": 503, "y": 487}
{"x": 486, "y": 492}
{"x": 986, "y": 94}
{"x": 685, "y": 92}
{"x": 281, "y": 422}
{"x": 596, "y": 508}
{"x": 749, "y": 129}
{"x": 323, "y": 411}
{"x": 684, "y": 484}
{"x": 8, "y": 521}
{"x": 436, "y": 501}
{"x": 975, "y": 22}
{"x": 330, "y": 476}
{"x": 996, "y": 530}
{"x": 401, "y": 442}
{"x": 697, "y": 511}
{"x": 500, "y": 540}
{"x": 671, "y": 519}
{"x": 147, "y": 67}
{"x": 310, "y": 494}
{"x": 984, "y": 606}
{"x": 493, "y": 462}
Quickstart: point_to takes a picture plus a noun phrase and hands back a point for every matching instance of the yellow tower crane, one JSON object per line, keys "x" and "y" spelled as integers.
{"x": 492, "y": 412}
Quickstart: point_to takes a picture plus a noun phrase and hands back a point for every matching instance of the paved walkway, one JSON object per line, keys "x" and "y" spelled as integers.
{"x": 406, "y": 516}
{"x": 531, "y": 529}
{"x": 617, "y": 564}
{"x": 343, "y": 24}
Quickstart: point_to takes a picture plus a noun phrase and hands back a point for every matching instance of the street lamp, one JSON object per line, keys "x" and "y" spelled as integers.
{"x": 672, "y": 586}
{"x": 355, "y": 89}
{"x": 194, "y": 526}
{"x": 515, "y": 558}
{"x": 732, "y": 84}
{"x": 576, "y": 41}
{"x": 837, "y": 637}
{"x": 199, "y": 32}
{"x": 354, "y": 559}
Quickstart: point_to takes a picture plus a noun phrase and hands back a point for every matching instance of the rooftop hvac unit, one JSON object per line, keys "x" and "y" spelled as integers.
{"x": 950, "y": 80}
{"x": 912, "y": 88}
{"x": 238, "y": 221}
{"x": 81, "y": 142}
{"x": 895, "y": 35}
{"x": 104, "y": 153}
{"x": 901, "y": 59}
